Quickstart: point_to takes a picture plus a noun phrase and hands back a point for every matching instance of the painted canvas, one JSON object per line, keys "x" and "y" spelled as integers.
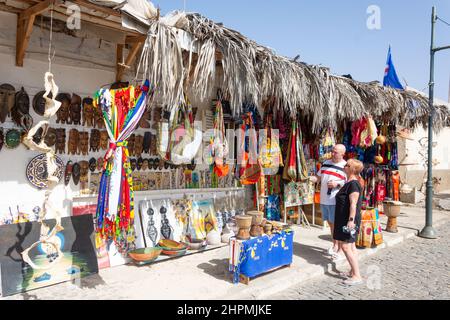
{"x": 76, "y": 242}
{"x": 101, "y": 245}
{"x": 202, "y": 219}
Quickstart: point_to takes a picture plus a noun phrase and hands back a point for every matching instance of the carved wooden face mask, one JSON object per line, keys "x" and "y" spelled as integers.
{"x": 50, "y": 138}
{"x": 61, "y": 140}
{"x": 39, "y": 102}
{"x": 133, "y": 164}
{"x": 92, "y": 164}
{"x": 68, "y": 172}
{"x": 94, "y": 141}
{"x": 74, "y": 140}
{"x": 100, "y": 164}
{"x": 75, "y": 110}
{"x": 38, "y": 136}
{"x": 22, "y": 102}
{"x": 104, "y": 139}
{"x": 62, "y": 115}
{"x": 88, "y": 112}
{"x": 76, "y": 170}
{"x": 145, "y": 164}
{"x": 83, "y": 146}
{"x": 7, "y": 100}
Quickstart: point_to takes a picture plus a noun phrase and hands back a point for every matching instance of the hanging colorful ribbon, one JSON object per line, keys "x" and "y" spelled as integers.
{"x": 122, "y": 110}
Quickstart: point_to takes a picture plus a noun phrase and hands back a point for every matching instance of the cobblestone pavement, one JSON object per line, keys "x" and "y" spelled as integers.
{"x": 417, "y": 269}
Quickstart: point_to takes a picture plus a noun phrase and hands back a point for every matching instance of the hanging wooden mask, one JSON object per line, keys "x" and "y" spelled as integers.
{"x": 74, "y": 140}
{"x": 68, "y": 172}
{"x": 84, "y": 143}
{"x": 94, "y": 141}
{"x": 88, "y": 112}
{"x": 62, "y": 115}
{"x": 60, "y": 140}
{"x": 75, "y": 110}
{"x": 76, "y": 171}
{"x": 92, "y": 164}
{"x": 104, "y": 139}
{"x": 39, "y": 103}
{"x": 50, "y": 138}
{"x": 7, "y": 100}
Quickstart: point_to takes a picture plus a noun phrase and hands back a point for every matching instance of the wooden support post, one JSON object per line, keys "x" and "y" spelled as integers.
{"x": 130, "y": 58}
{"x": 119, "y": 55}
{"x": 25, "y": 22}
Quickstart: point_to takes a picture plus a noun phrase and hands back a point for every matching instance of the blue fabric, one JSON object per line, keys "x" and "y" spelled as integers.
{"x": 273, "y": 208}
{"x": 269, "y": 252}
{"x": 390, "y": 75}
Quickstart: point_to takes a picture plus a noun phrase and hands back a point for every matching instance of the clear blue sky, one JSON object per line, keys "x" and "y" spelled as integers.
{"x": 334, "y": 34}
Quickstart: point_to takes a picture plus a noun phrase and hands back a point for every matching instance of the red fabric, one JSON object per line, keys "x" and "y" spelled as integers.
{"x": 331, "y": 173}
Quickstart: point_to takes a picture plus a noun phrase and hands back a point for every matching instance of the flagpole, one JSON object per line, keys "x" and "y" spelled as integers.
{"x": 428, "y": 231}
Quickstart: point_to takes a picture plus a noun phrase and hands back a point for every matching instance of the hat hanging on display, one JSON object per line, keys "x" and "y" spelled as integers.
{"x": 12, "y": 138}
{"x": 36, "y": 171}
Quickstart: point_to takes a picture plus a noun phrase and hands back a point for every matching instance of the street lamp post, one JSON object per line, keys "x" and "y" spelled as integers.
{"x": 428, "y": 231}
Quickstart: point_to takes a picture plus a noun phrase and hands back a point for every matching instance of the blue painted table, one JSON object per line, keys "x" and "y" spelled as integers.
{"x": 253, "y": 257}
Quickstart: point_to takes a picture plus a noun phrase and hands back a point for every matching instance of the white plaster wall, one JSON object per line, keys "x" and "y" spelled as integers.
{"x": 72, "y": 76}
{"x": 441, "y": 152}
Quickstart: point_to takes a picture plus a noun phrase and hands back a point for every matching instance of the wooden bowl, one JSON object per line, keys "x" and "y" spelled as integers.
{"x": 145, "y": 254}
{"x": 196, "y": 244}
{"x": 174, "y": 253}
{"x": 171, "y": 245}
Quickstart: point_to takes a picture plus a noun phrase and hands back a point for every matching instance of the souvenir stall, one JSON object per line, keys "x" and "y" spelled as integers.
{"x": 119, "y": 171}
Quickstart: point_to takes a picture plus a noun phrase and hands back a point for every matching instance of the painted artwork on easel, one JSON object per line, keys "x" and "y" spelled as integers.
{"x": 76, "y": 242}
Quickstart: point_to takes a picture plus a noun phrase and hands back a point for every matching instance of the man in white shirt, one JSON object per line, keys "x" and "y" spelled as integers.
{"x": 332, "y": 177}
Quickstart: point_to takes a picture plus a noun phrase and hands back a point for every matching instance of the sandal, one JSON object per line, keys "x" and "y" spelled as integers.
{"x": 346, "y": 275}
{"x": 352, "y": 282}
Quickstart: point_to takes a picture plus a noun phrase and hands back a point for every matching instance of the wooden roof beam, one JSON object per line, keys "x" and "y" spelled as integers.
{"x": 136, "y": 46}
{"x": 25, "y": 22}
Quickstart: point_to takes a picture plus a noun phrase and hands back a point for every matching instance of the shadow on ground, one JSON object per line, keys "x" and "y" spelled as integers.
{"x": 218, "y": 268}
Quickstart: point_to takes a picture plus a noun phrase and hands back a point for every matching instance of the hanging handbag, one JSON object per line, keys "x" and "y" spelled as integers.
{"x": 270, "y": 150}
{"x": 219, "y": 144}
{"x": 249, "y": 173}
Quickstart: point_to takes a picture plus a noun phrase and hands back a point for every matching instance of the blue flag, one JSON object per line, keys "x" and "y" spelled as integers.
{"x": 390, "y": 75}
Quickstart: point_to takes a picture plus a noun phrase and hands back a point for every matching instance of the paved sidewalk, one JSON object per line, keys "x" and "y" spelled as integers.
{"x": 415, "y": 270}
{"x": 206, "y": 276}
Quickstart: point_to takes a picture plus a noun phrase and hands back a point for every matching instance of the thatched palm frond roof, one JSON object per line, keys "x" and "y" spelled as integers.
{"x": 253, "y": 73}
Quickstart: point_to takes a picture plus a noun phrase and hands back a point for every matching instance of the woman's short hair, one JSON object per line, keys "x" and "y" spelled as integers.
{"x": 355, "y": 166}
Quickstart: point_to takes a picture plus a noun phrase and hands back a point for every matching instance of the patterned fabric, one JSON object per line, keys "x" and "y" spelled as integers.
{"x": 273, "y": 208}
{"x": 122, "y": 110}
{"x": 259, "y": 255}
